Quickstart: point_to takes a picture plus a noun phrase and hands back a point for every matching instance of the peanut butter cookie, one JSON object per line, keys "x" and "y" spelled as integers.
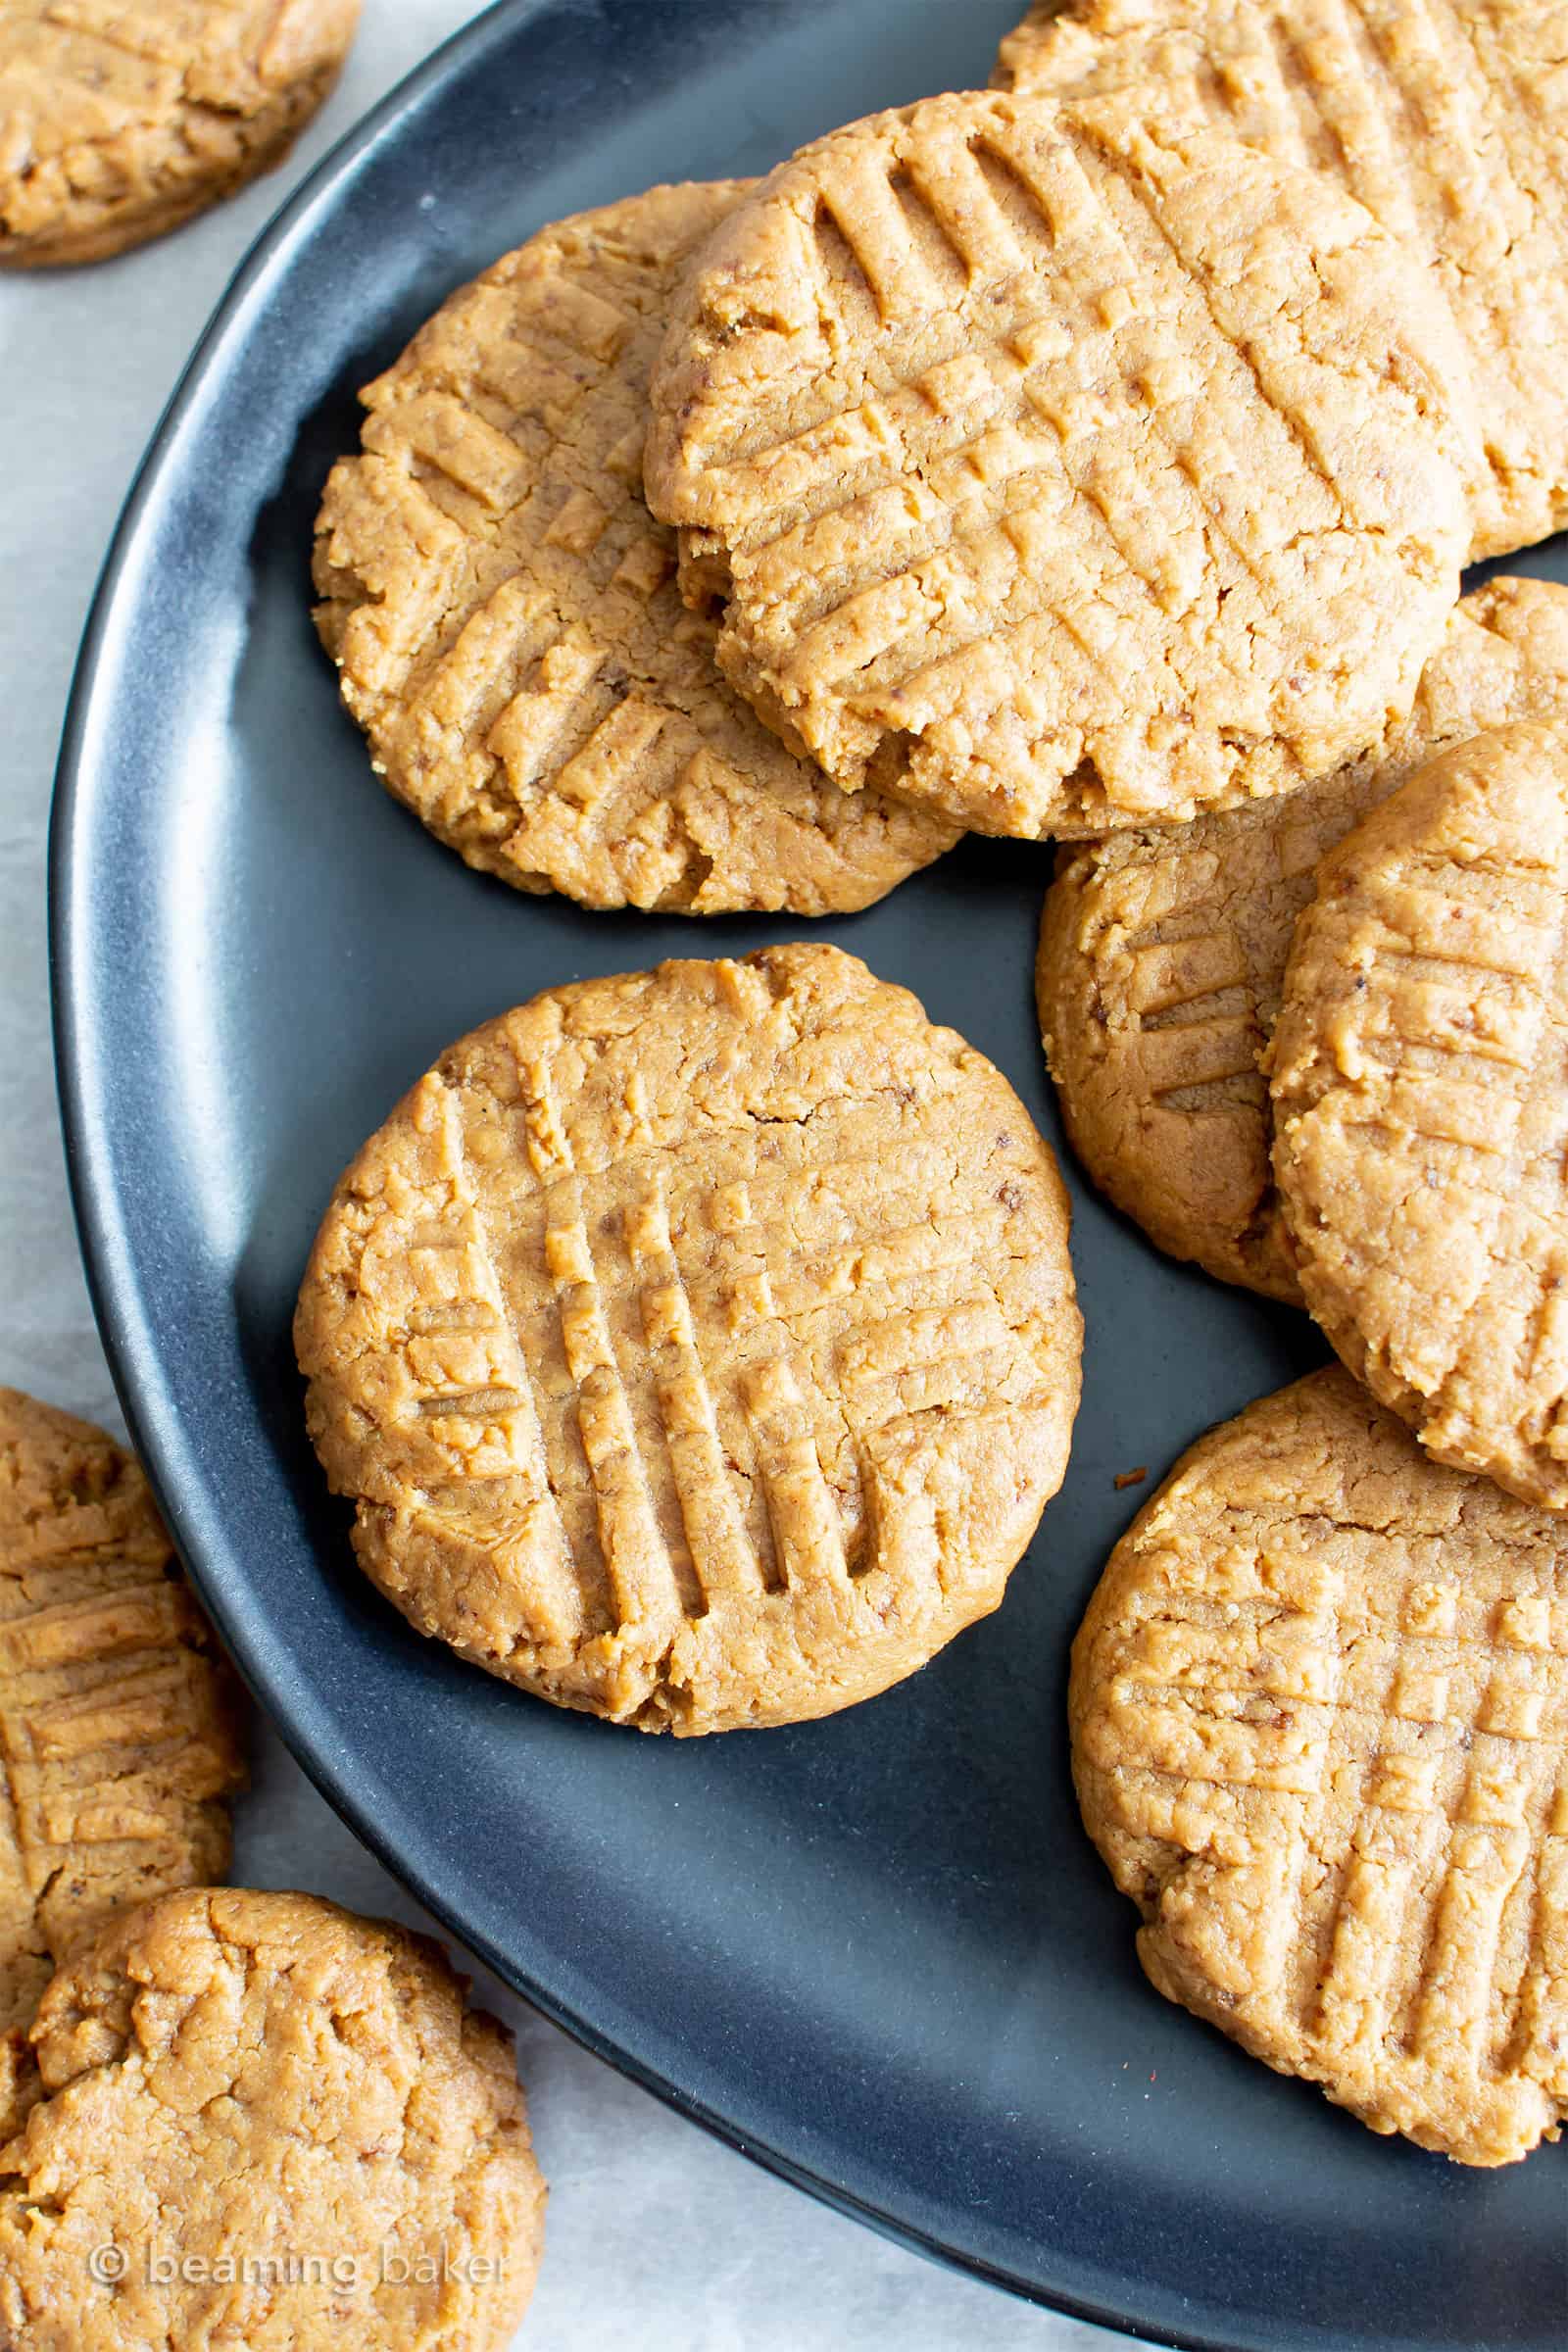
{"x": 505, "y": 618}
{"x": 118, "y": 1719}
{"x": 700, "y": 1348}
{"x": 120, "y": 118}
{"x": 1319, "y": 1716}
{"x": 1449, "y": 124}
{"x": 1420, "y": 1090}
{"x": 1162, "y": 956}
{"x": 1060, "y": 474}
{"x": 261, "y": 2121}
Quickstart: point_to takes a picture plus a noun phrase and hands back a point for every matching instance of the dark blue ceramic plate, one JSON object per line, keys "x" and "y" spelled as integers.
{"x": 876, "y": 1952}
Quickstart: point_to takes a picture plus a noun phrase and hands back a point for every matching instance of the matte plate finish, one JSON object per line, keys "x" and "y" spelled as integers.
{"x": 876, "y": 1952}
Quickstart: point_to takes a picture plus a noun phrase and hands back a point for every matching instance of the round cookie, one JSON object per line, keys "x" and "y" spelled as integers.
{"x": 1058, "y": 473}
{"x": 120, "y": 118}
{"x": 1319, "y": 1709}
{"x": 504, "y": 613}
{"x": 1447, "y": 123}
{"x": 1162, "y": 956}
{"x": 700, "y": 1346}
{"x": 118, "y": 1719}
{"x": 1420, "y": 1093}
{"x": 262, "y": 2121}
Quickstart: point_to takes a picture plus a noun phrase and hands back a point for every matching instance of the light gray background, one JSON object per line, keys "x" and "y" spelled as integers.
{"x": 657, "y": 2234}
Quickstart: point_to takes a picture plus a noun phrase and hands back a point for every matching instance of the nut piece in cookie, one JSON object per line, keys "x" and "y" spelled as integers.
{"x": 1162, "y": 956}
{"x": 1319, "y": 1709}
{"x": 120, "y": 1721}
{"x": 1420, "y": 1092}
{"x": 1060, "y": 471}
{"x": 504, "y": 613}
{"x": 121, "y": 118}
{"x": 1447, "y": 124}
{"x": 700, "y": 1346}
{"x": 262, "y": 2121}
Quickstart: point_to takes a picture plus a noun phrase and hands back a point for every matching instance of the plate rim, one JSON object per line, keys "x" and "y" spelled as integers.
{"x": 119, "y": 1298}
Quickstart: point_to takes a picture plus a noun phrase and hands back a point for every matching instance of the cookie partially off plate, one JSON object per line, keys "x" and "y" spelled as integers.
{"x": 876, "y": 1950}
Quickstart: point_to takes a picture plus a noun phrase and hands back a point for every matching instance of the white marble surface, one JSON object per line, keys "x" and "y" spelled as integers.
{"x": 658, "y": 2235}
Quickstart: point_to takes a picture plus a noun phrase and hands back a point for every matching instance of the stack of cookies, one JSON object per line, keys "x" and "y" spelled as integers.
{"x": 1093, "y": 458}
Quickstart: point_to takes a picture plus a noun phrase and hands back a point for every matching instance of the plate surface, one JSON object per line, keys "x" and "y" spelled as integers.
{"x": 876, "y": 1952}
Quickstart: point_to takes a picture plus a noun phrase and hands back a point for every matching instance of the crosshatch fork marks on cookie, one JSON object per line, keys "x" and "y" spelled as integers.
{"x": 1128, "y": 484}
{"x": 700, "y": 1347}
{"x": 1419, "y": 1070}
{"x": 1445, "y": 120}
{"x": 503, "y": 609}
{"x": 1162, "y": 956}
{"x": 1320, "y": 1709}
{"x": 117, "y": 1741}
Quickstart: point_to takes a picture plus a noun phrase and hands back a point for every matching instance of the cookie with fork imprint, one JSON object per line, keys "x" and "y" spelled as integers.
{"x": 1449, "y": 124}
{"x": 1162, "y": 956}
{"x": 503, "y": 614}
{"x": 1420, "y": 1093}
{"x": 1319, "y": 1709}
{"x": 699, "y": 1347}
{"x": 120, "y": 1720}
{"x": 1058, "y": 473}
{"x": 261, "y": 2121}
{"x": 121, "y": 118}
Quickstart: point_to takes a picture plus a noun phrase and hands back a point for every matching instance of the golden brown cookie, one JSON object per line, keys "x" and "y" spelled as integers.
{"x": 1420, "y": 1092}
{"x": 504, "y": 613}
{"x": 1059, "y": 474}
{"x": 118, "y": 1719}
{"x": 120, "y": 118}
{"x": 266, "y": 2123}
{"x": 700, "y": 1346}
{"x": 1319, "y": 1711}
{"x": 1162, "y": 956}
{"x": 1448, "y": 124}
